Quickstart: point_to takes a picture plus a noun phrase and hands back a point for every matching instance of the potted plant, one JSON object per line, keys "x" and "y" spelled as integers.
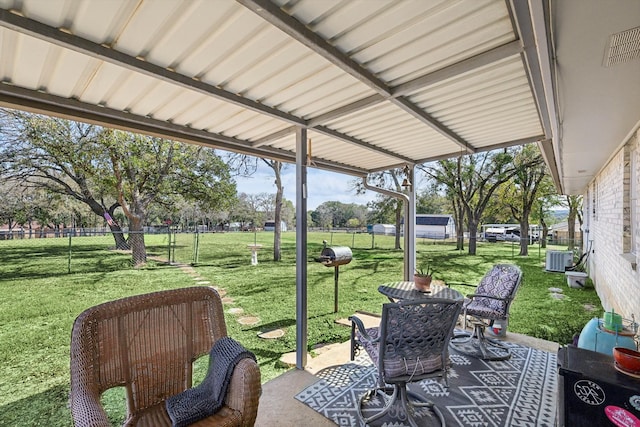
{"x": 422, "y": 278}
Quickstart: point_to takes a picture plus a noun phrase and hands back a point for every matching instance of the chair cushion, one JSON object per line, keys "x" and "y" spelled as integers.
{"x": 479, "y": 309}
{"x": 370, "y": 345}
{"x": 411, "y": 367}
{"x": 498, "y": 282}
{"x": 394, "y": 367}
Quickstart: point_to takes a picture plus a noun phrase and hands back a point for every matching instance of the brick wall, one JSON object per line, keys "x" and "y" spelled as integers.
{"x": 611, "y": 216}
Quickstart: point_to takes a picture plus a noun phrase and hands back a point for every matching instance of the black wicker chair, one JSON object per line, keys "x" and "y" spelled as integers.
{"x": 410, "y": 344}
{"x": 490, "y": 302}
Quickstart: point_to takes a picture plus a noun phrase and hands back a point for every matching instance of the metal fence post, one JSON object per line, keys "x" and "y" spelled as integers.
{"x": 196, "y": 246}
{"x": 169, "y": 245}
{"x": 69, "y": 259}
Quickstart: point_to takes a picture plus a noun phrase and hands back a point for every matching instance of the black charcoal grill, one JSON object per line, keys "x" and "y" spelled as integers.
{"x": 335, "y": 257}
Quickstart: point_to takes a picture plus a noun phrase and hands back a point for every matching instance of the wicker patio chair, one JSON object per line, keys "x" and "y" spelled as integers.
{"x": 147, "y": 344}
{"x": 490, "y": 302}
{"x": 410, "y": 344}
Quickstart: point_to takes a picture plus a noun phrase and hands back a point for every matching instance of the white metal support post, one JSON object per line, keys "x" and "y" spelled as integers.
{"x": 301, "y": 247}
{"x": 410, "y": 228}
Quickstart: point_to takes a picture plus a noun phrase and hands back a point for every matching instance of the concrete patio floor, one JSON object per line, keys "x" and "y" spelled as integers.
{"x": 278, "y": 406}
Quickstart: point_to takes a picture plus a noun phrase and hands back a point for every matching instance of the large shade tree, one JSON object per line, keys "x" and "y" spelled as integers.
{"x": 60, "y": 156}
{"x": 574, "y": 204}
{"x": 471, "y": 182}
{"x": 108, "y": 169}
{"x": 522, "y": 189}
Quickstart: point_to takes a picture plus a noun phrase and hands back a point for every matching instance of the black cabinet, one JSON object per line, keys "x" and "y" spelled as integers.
{"x": 591, "y": 392}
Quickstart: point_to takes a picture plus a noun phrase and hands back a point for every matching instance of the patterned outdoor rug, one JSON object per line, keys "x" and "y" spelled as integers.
{"x": 518, "y": 392}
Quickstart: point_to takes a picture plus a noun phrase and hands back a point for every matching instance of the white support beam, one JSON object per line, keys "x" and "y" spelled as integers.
{"x": 301, "y": 248}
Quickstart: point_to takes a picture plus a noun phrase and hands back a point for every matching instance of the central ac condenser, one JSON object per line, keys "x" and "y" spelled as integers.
{"x": 558, "y": 260}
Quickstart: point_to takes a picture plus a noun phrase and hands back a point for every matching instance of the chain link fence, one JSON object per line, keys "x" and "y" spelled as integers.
{"x": 96, "y": 249}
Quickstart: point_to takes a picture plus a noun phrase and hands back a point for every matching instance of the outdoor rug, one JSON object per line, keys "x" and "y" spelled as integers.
{"x": 518, "y": 392}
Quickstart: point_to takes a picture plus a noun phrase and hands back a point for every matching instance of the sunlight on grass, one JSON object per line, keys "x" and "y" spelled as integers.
{"x": 41, "y": 300}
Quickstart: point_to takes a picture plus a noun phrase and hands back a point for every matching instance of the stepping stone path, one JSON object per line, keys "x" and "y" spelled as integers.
{"x": 244, "y": 320}
{"x": 556, "y": 293}
{"x": 248, "y": 320}
{"x": 589, "y": 307}
{"x": 273, "y": 334}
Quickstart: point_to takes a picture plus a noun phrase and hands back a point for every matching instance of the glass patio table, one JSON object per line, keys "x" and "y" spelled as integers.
{"x": 396, "y": 291}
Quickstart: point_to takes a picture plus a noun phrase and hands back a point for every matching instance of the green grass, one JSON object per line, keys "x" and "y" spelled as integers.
{"x": 40, "y": 300}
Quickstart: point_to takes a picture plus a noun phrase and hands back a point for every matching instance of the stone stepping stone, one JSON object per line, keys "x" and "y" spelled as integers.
{"x": 236, "y": 310}
{"x": 555, "y": 290}
{"x": 272, "y": 334}
{"x": 204, "y": 282}
{"x": 557, "y": 296}
{"x": 248, "y": 320}
{"x": 590, "y": 307}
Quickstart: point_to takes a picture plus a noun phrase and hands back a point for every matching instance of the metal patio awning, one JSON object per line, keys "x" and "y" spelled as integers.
{"x": 377, "y": 83}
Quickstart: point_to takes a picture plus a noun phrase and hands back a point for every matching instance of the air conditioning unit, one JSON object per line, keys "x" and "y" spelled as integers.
{"x": 558, "y": 260}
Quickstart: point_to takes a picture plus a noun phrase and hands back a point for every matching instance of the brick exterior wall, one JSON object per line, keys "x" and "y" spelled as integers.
{"x": 611, "y": 217}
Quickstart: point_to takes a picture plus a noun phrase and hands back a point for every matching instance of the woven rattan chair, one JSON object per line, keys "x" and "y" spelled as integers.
{"x": 147, "y": 344}
{"x": 410, "y": 344}
{"x": 490, "y": 302}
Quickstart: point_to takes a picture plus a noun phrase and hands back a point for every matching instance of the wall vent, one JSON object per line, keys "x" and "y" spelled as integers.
{"x": 558, "y": 260}
{"x": 623, "y": 47}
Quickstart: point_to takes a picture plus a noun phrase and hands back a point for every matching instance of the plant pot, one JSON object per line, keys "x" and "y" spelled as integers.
{"x": 422, "y": 283}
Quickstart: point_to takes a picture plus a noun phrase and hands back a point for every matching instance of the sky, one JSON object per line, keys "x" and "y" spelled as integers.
{"x": 323, "y": 186}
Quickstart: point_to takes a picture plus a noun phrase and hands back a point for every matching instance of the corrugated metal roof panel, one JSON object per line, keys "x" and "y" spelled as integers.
{"x": 251, "y": 73}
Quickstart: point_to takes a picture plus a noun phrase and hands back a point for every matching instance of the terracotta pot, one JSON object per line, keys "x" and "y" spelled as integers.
{"x": 422, "y": 283}
{"x": 627, "y": 359}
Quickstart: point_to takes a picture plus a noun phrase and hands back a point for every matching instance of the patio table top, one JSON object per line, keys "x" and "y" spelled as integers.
{"x": 406, "y": 290}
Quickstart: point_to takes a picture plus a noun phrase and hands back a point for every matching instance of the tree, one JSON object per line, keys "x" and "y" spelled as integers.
{"x": 107, "y": 169}
{"x": 248, "y": 165}
{"x": 574, "y": 203}
{"x": 430, "y": 201}
{"x": 60, "y": 156}
{"x": 150, "y": 170}
{"x": 522, "y": 188}
{"x": 541, "y": 212}
{"x": 276, "y": 166}
{"x": 471, "y": 181}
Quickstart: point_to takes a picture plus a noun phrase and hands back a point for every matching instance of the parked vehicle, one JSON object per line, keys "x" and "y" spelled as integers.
{"x": 512, "y": 235}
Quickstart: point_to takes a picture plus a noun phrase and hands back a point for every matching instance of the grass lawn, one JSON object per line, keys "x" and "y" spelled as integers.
{"x": 40, "y": 300}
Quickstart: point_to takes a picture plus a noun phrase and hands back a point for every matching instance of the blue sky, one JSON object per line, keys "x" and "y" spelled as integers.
{"x": 323, "y": 186}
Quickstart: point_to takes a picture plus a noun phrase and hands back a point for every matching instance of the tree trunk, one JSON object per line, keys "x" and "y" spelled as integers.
{"x": 136, "y": 241}
{"x": 398, "y": 223}
{"x": 524, "y": 234}
{"x": 571, "y": 224}
{"x": 473, "y": 232}
{"x": 118, "y": 237}
{"x": 458, "y": 212}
